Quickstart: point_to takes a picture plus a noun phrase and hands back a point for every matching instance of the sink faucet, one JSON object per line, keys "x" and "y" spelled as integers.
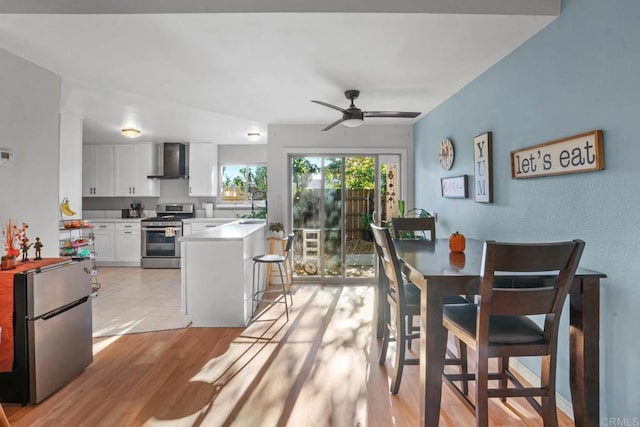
{"x": 260, "y": 195}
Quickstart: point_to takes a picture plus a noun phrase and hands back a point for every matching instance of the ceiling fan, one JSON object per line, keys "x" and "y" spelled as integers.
{"x": 354, "y": 117}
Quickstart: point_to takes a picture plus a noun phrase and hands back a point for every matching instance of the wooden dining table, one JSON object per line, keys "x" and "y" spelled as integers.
{"x": 438, "y": 272}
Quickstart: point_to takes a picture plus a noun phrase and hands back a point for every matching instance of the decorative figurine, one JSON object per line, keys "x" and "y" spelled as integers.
{"x": 25, "y": 248}
{"x": 38, "y": 247}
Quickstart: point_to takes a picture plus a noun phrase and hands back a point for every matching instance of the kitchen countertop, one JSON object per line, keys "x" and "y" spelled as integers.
{"x": 210, "y": 220}
{"x": 94, "y": 220}
{"x": 237, "y": 230}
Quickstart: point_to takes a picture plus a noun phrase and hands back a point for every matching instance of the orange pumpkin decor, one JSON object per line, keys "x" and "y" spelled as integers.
{"x": 457, "y": 259}
{"x": 456, "y": 242}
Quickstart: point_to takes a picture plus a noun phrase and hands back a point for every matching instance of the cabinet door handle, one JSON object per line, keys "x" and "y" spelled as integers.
{"x": 134, "y": 190}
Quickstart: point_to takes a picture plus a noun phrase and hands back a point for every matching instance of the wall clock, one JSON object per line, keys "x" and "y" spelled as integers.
{"x": 446, "y": 154}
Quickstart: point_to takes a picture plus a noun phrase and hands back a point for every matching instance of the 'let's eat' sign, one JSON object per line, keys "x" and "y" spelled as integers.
{"x": 579, "y": 153}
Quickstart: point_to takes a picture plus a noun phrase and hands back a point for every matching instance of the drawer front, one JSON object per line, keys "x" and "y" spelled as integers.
{"x": 103, "y": 226}
{"x": 128, "y": 226}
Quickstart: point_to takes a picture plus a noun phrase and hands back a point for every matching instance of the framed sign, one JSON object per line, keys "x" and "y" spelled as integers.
{"x": 483, "y": 168}
{"x": 454, "y": 187}
{"x": 579, "y": 153}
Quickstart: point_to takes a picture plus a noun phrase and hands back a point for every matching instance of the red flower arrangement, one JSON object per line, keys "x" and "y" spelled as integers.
{"x": 13, "y": 236}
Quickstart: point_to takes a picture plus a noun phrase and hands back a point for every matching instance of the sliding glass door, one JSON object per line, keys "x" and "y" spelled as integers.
{"x": 332, "y": 202}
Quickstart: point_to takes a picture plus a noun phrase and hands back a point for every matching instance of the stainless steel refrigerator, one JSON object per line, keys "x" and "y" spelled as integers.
{"x": 52, "y": 331}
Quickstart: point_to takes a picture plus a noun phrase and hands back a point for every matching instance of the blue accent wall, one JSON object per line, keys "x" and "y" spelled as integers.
{"x": 581, "y": 72}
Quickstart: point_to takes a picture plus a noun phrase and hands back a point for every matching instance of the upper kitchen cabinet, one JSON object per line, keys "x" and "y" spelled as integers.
{"x": 133, "y": 163}
{"x": 203, "y": 170}
{"x": 97, "y": 170}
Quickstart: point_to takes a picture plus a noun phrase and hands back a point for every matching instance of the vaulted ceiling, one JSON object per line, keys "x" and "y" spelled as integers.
{"x": 196, "y": 71}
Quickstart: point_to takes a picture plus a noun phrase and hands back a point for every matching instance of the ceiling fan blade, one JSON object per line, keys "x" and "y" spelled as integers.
{"x": 403, "y": 114}
{"x": 329, "y": 105}
{"x": 336, "y": 123}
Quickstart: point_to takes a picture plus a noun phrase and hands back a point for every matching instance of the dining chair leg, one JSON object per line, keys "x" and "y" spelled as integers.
{"x": 482, "y": 385}
{"x": 409, "y": 330}
{"x": 548, "y": 382}
{"x": 401, "y": 345}
{"x": 464, "y": 365}
{"x": 385, "y": 334}
{"x": 503, "y": 367}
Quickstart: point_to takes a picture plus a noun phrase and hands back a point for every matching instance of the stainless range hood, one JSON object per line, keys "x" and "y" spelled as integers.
{"x": 173, "y": 162}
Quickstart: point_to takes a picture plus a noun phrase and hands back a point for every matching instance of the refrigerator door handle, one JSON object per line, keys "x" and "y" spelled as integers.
{"x": 62, "y": 309}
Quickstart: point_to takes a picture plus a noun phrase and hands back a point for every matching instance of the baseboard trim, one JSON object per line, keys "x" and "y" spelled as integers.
{"x": 563, "y": 404}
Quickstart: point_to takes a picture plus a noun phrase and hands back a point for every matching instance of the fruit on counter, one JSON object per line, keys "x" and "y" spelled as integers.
{"x": 456, "y": 242}
{"x": 74, "y": 224}
{"x": 65, "y": 208}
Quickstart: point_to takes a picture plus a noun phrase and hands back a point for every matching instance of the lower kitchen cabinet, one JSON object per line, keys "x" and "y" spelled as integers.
{"x": 127, "y": 244}
{"x": 117, "y": 244}
{"x": 104, "y": 241}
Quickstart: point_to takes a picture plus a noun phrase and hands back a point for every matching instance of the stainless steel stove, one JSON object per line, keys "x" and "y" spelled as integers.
{"x": 161, "y": 234}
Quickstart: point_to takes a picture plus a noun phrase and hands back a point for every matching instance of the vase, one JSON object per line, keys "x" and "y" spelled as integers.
{"x": 8, "y": 262}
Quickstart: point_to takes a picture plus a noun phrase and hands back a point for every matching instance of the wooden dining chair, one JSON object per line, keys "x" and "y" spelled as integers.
{"x": 404, "y": 298}
{"x": 409, "y": 228}
{"x": 517, "y": 280}
{"x": 414, "y": 227}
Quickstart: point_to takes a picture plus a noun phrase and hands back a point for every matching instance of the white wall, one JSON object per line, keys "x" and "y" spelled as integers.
{"x": 248, "y": 154}
{"x": 29, "y": 127}
{"x": 71, "y": 160}
{"x": 309, "y": 139}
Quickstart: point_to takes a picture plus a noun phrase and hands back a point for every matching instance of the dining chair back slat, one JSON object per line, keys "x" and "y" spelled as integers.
{"x": 414, "y": 227}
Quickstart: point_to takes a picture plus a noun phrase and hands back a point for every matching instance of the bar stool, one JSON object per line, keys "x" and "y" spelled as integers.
{"x": 281, "y": 262}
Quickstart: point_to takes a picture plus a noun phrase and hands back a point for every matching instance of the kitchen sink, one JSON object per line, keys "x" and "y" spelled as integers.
{"x": 251, "y": 221}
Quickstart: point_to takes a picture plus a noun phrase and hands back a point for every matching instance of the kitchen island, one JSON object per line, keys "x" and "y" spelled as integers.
{"x": 217, "y": 270}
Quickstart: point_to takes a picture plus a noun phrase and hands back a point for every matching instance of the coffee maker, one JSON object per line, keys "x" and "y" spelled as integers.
{"x": 136, "y": 210}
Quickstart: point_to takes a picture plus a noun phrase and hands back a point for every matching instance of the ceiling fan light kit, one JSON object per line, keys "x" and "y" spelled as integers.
{"x": 353, "y": 123}
{"x": 354, "y": 117}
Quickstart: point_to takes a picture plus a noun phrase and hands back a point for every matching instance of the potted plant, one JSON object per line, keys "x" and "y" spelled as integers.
{"x": 276, "y": 229}
{"x": 367, "y": 219}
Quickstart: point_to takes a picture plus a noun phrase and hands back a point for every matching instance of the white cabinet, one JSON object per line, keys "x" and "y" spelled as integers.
{"x": 203, "y": 170}
{"x": 132, "y": 164}
{"x": 127, "y": 244}
{"x": 104, "y": 241}
{"x": 97, "y": 170}
{"x": 197, "y": 227}
{"x": 190, "y": 226}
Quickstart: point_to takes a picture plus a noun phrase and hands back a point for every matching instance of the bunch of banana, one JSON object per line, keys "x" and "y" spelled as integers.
{"x": 65, "y": 209}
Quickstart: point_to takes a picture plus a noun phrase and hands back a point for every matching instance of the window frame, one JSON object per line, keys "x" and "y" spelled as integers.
{"x": 247, "y": 196}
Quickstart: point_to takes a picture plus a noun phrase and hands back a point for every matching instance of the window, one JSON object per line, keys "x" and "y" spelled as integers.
{"x": 243, "y": 183}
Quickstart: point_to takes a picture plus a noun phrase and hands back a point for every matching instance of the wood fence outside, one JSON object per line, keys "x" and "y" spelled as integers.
{"x": 359, "y": 203}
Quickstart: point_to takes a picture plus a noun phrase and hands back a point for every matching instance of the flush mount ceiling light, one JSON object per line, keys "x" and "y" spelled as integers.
{"x": 253, "y": 136}
{"x": 131, "y": 132}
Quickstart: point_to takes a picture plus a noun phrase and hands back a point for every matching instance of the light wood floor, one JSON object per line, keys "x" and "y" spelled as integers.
{"x": 319, "y": 369}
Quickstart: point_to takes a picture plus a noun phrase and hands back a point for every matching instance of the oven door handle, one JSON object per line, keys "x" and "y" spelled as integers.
{"x": 160, "y": 228}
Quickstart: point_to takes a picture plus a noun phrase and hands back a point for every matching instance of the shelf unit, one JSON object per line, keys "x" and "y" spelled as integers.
{"x": 79, "y": 242}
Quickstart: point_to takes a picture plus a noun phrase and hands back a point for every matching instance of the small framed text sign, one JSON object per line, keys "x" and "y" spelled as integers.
{"x": 575, "y": 154}
{"x": 483, "y": 168}
{"x": 454, "y": 187}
